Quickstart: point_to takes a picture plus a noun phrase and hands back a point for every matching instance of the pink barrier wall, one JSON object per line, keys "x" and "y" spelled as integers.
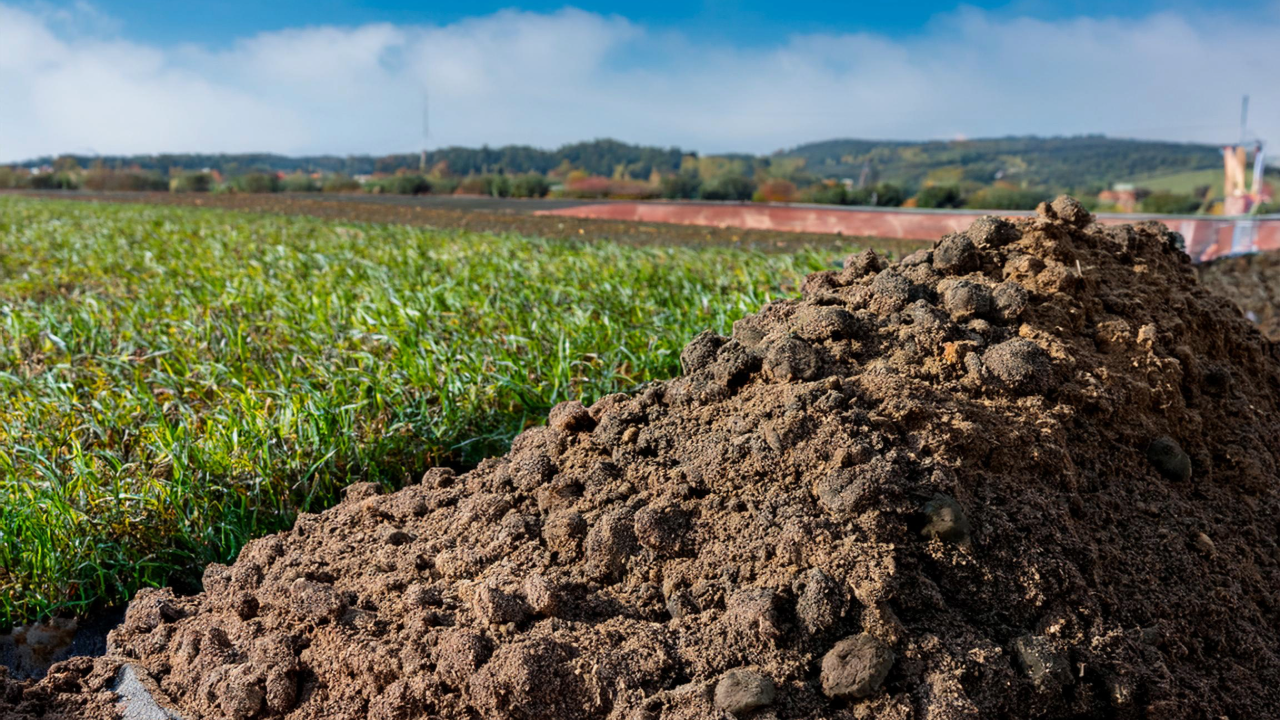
{"x": 1207, "y": 237}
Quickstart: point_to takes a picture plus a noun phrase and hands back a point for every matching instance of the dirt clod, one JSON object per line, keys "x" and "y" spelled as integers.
{"x": 992, "y": 232}
{"x": 572, "y": 416}
{"x": 1020, "y": 366}
{"x": 965, "y": 300}
{"x": 956, "y": 255}
{"x": 1070, "y": 211}
{"x": 1168, "y": 458}
{"x": 856, "y": 667}
{"x": 1041, "y": 661}
{"x": 791, "y": 359}
{"x": 885, "y": 507}
{"x": 740, "y": 691}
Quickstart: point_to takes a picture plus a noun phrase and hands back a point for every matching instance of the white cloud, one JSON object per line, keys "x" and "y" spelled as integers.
{"x": 69, "y": 83}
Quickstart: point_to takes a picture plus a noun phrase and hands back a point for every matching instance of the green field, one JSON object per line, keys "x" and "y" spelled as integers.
{"x": 174, "y": 382}
{"x": 1184, "y": 183}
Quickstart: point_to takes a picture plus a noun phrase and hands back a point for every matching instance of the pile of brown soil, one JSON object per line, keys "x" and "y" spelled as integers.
{"x": 1252, "y": 282}
{"x": 1031, "y": 473}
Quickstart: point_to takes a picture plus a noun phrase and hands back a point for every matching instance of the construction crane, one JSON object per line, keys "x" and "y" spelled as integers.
{"x": 1239, "y": 196}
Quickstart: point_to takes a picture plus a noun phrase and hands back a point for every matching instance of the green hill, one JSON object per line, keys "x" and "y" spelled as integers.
{"x": 1081, "y": 164}
{"x": 1084, "y": 163}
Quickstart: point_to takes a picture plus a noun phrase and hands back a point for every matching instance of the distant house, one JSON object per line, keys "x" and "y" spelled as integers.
{"x": 1124, "y": 196}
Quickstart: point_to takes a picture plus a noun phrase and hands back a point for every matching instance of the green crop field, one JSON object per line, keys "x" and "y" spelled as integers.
{"x": 1184, "y": 183}
{"x": 174, "y": 382}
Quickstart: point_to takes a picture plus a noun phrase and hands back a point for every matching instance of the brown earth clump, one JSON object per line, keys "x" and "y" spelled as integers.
{"x": 1031, "y": 473}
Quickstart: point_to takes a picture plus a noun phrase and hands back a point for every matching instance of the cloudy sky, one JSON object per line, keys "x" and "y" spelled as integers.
{"x": 348, "y": 76}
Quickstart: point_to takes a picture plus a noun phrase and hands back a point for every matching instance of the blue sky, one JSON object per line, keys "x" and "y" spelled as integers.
{"x": 757, "y": 22}
{"x": 345, "y": 77}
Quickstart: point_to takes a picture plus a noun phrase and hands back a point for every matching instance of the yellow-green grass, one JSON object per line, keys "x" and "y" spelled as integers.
{"x": 175, "y": 382}
{"x": 1183, "y": 183}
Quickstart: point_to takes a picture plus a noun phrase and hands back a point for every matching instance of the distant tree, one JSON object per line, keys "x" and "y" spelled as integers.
{"x": 443, "y": 185}
{"x": 684, "y": 185}
{"x": 68, "y": 164}
{"x": 473, "y": 185}
{"x": 1001, "y": 198}
{"x": 939, "y": 196}
{"x": 11, "y": 177}
{"x": 1168, "y": 203}
{"x": 401, "y": 184}
{"x": 889, "y": 195}
{"x": 440, "y": 170}
{"x": 729, "y": 187}
{"x": 775, "y": 190}
{"x": 881, "y": 195}
{"x": 340, "y": 183}
{"x": 589, "y": 187}
{"x": 256, "y": 182}
{"x": 101, "y": 178}
{"x": 191, "y": 182}
{"x": 827, "y": 193}
{"x": 497, "y": 185}
{"x": 530, "y": 185}
{"x": 299, "y": 182}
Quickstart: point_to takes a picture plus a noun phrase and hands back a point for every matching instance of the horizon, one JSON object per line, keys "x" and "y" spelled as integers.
{"x": 551, "y": 149}
{"x": 125, "y": 78}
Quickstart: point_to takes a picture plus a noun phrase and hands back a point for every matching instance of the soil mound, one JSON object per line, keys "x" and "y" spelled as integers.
{"x": 1253, "y": 283}
{"x": 1031, "y": 473}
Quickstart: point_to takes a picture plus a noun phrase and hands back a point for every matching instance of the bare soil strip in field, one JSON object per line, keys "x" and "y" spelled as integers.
{"x": 499, "y": 216}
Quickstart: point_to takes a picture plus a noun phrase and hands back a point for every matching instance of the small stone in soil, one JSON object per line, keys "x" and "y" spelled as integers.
{"x": 1168, "y": 458}
{"x": 856, "y": 667}
{"x": 1038, "y": 658}
{"x": 741, "y": 691}
{"x": 947, "y": 520}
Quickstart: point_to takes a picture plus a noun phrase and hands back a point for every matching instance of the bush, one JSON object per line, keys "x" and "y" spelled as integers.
{"x": 491, "y": 185}
{"x": 103, "y": 179}
{"x": 595, "y": 187}
{"x": 400, "y": 185}
{"x": 530, "y": 185}
{"x": 54, "y": 181}
{"x": 826, "y": 194}
{"x": 497, "y": 185}
{"x": 339, "y": 183}
{"x": 730, "y": 187}
{"x": 300, "y": 182}
{"x": 587, "y": 187}
{"x": 256, "y": 183}
{"x": 681, "y": 186}
{"x": 13, "y": 178}
{"x": 191, "y": 182}
{"x": 1168, "y": 203}
{"x": 939, "y": 196}
{"x": 997, "y": 198}
{"x": 880, "y": 195}
{"x": 472, "y": 185}
{"x": 775, "y": 190}
{"x": 633, "y": 190}
{"x": 443, "y": 185}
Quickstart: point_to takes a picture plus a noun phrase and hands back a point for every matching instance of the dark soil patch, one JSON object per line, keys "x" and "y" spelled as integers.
{"x": 509, "y": 217}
